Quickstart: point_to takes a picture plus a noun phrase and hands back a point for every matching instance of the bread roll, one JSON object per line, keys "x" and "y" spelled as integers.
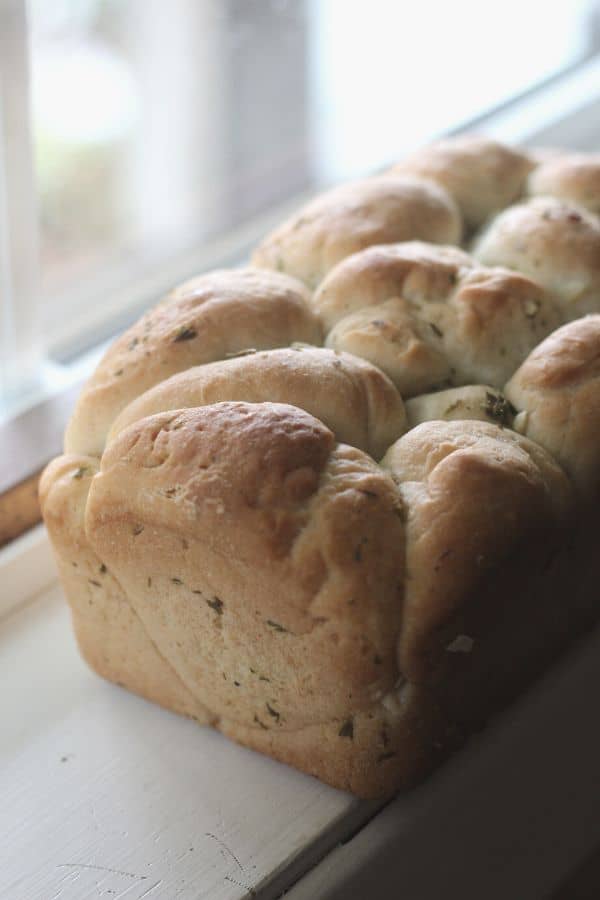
{"x": 557, "y": 393}
{"x": 485, "y": 506}
{"x": 351, "y": 397}
{"x": 381, "y": 210}
{"x": 431, "y": 317}
{"x": 203, "y": 515}
{"x": 482, "y": 175}
{"x": 573, "y": 177}
{"x": 556, "y": 243}
{"x": 202, "y": 320}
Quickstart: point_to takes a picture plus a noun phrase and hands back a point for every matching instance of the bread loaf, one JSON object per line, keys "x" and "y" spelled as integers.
{"x": 342, "y": 505}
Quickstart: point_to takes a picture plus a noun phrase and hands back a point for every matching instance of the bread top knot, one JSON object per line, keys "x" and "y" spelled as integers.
{"x": 353, "y": 398}
{"x": 573, "y": 177}
{"x": 482, "y": 175}
{"x": 272, "y": 453}
{"x": 254, "y": 511}
{"x": 556, "y": 243}
{"x": 204, "y": 319}
{"x": 431, "y": 317}
{"x": 474, "y": 492}
{"x": 557, "y": 390}
{"x": 380, "y": 210}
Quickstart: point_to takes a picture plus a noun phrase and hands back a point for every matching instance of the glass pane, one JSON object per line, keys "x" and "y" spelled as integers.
{"x": 159, "y": 126}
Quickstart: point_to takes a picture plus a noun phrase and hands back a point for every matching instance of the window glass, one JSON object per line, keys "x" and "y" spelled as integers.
{"x": 161, "y": 125}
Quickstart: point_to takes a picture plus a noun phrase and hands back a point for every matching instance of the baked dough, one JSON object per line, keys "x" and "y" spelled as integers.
{"x": 474, "y": 401}
{"x": 573, "y": 177}
{"x": 254, "y": 530}
{"x": 352, "y": 397}
{"x": 381, "y": 210}
{"x": 431, "y": 317}
{"x": 482, "y": 175}
{"x": 557, "y": 390}
{"x": 555, "y": 243}
{"x": 204, "y": 319}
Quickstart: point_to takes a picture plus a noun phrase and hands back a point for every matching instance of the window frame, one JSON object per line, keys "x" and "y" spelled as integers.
{"x": 19, "y": 338}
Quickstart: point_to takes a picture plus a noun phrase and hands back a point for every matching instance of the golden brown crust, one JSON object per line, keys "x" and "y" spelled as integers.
{"x": 110, "y": 635}
{"x": 314, "y": 681}
{"x": 482, "y": 175}
{"x": 574, "y": 177}
{"x": 511, "y": 494}
{"x": 381, "y": 210}
{"x": 430, "y": 317}
{"x": 221, "y": 506}
{"x": 204, "y": 319}
{"x": 374, "y": 752}
{"x": 415, "y": 270}
{"x": 350, "y": 396}
{"x": 557, "y": 391}
{"x": 553, "y": 242}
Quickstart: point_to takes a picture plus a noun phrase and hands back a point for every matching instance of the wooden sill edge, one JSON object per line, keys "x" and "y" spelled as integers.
{"x": 19, "y": 509}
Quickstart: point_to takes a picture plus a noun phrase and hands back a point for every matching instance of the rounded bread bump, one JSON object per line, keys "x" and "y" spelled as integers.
{"x": 413, "y": 269}
{"x": 473, "y": 401}
{"x": 510, "y": 489}
{"x": 430, "y": 317}
{"x": 380, "y": 210}
{"x": 276, "y": 558}
{"x": 482, "y": 175}
{"x": 369, "y": 306}
{"x": 202, "y": 320}
{"x": 557, "y": 393}
{"x": 492, "y": 321}
{"x": 553, "y": 242}
{"x": 574, "y": 177}
{"x": 353, "y": 398}
{"x": 390, "y": 336}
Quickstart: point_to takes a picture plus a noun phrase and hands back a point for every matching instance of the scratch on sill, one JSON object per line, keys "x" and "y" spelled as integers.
{"x": 226, "y": 848}
{"x": 246, "y": 887}
{"x": 226, "y": 852}
{"x": 150, "y": 889}
{"x": 101, "y": 869}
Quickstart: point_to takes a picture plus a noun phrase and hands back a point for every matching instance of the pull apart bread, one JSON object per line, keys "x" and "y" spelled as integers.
{"x": 343, "y": 504}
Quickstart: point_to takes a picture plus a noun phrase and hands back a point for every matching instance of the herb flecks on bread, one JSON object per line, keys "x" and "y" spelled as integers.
{"x": 342, "y": 504}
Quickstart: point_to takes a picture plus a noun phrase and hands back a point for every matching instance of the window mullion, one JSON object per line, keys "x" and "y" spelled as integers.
{"x": 19, "y": 264}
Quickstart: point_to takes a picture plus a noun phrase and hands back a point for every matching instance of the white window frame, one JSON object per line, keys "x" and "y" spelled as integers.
{"x": 19, "y": 337}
